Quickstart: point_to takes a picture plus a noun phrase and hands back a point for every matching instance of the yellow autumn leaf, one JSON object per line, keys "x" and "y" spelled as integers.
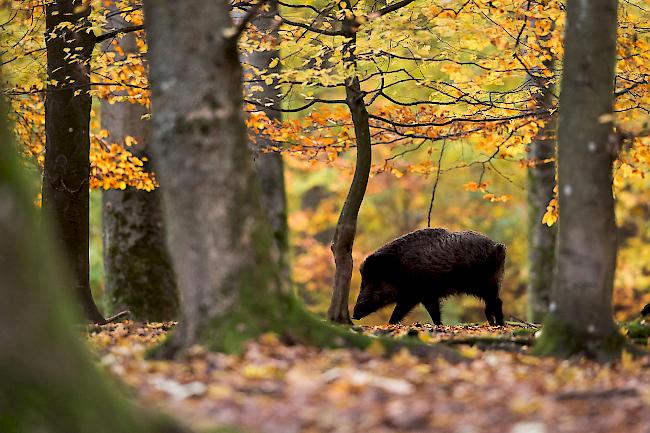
{"x": 129, "y": 140}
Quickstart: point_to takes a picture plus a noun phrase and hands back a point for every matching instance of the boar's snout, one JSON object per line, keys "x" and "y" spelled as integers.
{"x": 360, "y": 311}
{"x": 363, "y": 306}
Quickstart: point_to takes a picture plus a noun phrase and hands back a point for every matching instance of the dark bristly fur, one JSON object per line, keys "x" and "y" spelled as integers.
{"x": 428, "y": 265}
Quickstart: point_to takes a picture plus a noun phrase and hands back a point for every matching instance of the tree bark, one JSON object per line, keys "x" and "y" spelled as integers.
{"x": 139, "y": 273}
{"x": 541, "y": 181}
{"x": 219, "y": 238}
{"x": 67, "y": 124}
{"x": 580, "y": 315}
{"x": 48, "y": 382}
{"x": 346, "y": 227}
{"x": 218, "y": 245}
{"x": 269, "y": 165}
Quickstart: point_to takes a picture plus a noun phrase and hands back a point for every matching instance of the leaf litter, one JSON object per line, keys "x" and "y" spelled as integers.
{"x": 275, "y": 388}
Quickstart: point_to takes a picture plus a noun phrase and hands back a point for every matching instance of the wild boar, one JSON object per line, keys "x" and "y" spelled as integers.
{"x": 428, "y": 265}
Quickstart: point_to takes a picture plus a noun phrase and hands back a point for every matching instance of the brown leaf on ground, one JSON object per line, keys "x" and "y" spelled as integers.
{"x": 276, "y": 388}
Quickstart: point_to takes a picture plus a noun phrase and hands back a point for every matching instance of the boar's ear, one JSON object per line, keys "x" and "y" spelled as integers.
{"x": 379, "y": 265}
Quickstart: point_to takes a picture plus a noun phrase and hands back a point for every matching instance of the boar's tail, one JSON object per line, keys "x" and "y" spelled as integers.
{"x": 500, "y": 253}
{"x": 500, "y": 262}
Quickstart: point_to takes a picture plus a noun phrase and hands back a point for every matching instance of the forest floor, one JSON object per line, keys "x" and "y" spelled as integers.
{"x": 274, "y": 388}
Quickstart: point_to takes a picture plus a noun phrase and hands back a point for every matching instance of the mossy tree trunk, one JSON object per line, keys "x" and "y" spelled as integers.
{"x": 580, "y": 315}
{"x": 541, "y": 181}
{"x": 269, "y": 165}
{"x": 48, "y": 382}
{"x": 139, "y": 273}
{"x": 67, "y": 130}
{"x": 219, "y": 238}
{"x": 346, "y": 227}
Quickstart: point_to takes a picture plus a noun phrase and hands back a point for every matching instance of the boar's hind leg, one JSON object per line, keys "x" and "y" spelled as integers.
{"x": 402, "y": 308}
{"x": 433, "y": 308}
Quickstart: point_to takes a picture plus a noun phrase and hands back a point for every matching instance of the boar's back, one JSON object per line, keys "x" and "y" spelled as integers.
{"x": 441, "y": 254}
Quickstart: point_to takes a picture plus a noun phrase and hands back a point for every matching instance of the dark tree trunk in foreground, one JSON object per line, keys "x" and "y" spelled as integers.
{"x": 580, "y": 315}
{"x": 541, "y": 181}
{"x": 220, "y": 241}
{"x": 48, "y": 382}
{"x": 67, "y": 123}
{"x": 346, "y": 227}
{"x": 269, "y": 165}
{"x": 139, "y": 273}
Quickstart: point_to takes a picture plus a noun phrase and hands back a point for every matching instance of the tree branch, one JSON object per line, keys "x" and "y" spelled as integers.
{"x": 391, "y": 8}
{"x": 313, "y": 29}
{"x": 250, "y": 16}
{"x": 116, "y": 32}
{"x": 295, "y": 110}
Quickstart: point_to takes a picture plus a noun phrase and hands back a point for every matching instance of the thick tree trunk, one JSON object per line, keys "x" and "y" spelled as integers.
{"x": 269, "y": 165}
{"x": 220, "y": 244}
{"x": 67, "y": 123}
{"x": 580, "y": 314}
{"x": 216, "y": 240}
{"x": 218, "y": 235}
{"x": 139, "y": 273}
{"x": 541, "y": 181}
{"x": 48, "y": 382}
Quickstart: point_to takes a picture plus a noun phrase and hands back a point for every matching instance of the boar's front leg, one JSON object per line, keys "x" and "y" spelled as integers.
{"x": 403, "y": 307}
{"x": 494, "y": 311}
{"x": 432, "y": 305}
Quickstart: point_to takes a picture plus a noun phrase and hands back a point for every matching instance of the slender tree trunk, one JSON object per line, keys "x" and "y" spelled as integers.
{"x": 580, "y": 314}
{"x": 346, "y": 227}
{"x": 541, "y": 181}
{"x": 48, "y": 382}
{"x": 139, "y": 273}
{"x": 67, "y": 124}
{"x": 269, "y": 165}
{"x": 219, "y": 238}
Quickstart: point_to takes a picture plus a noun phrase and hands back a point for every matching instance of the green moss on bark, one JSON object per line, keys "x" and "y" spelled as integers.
{"x": 288, "y": 318}
{"x": 561, "y": 340}
{"x": 30, "y": 402}
{"x": 139, "y": 273}
{"x": 48, "y": 382}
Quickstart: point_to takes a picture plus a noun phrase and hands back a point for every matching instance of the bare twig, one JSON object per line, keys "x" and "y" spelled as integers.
{"x": 435, "y": 184}
{"x": 116, "y": 317}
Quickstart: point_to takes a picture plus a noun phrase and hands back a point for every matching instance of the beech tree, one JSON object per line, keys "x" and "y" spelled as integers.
{"x": 269, "y": 164}
{"x": 69, "y": 42}
{"x": 580, "y": 314}
{"x": 48, "y": 382}
{"x": 67, "y": 129}
{"x": 541, "y": 183}
{"x": 218, "y": 235}
{"x": 139, "y": 274}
